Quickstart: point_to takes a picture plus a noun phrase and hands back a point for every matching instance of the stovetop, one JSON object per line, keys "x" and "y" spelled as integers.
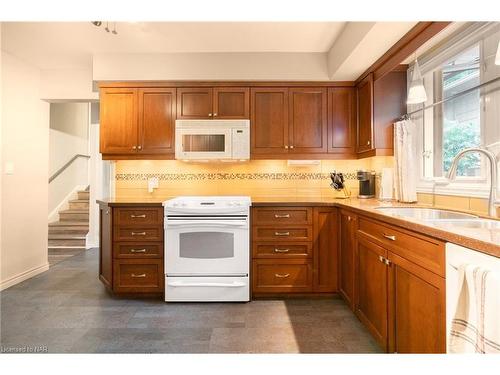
{"x": 207, "y": 205}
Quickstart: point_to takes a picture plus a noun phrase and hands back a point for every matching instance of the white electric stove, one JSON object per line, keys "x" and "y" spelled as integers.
{"x": 207, "y": 248}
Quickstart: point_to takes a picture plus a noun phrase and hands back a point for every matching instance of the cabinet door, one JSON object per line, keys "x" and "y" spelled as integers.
{"x": 194, "y": 103}
{"x": 269, "y": 121}
{"x": 308, "y": 120}
{"x": 105, "y": 246}
{"x": 157, "y": 120}
{"x": 365, "y": 114}
{"x": 348, "y": 226}
{"x": 342, "y": 120}
{"x": 118, "y": 121}
{"x": 325, "y": 267}
{"x": 371, "y": 289}
{"x": 231, "y": 103}
{"x": 416, "y": 308}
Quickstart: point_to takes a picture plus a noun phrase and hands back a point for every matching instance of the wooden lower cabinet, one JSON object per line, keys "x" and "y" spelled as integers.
{"x": 347, "y": 245}
{"x": 401, "y": 302}
{"x": 294, "y": 250}
{"x": 371, "y": 289}
{"x": 131, "y": 249}
{"x": 416, "y": 308}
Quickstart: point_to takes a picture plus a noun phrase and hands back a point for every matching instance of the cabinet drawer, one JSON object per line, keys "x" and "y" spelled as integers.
{"x": 282, "y": 215}
{"x": 425, "y": 251}
{"x": 141, "y": 216}
{"x": 282, "y": 234}
{"x": 138, "y": 276}
{"x": 138, "y": 234}
{"x": 283, "y": 276}
{"x": 280, "y": 250}
{"x": 138, "y": 250}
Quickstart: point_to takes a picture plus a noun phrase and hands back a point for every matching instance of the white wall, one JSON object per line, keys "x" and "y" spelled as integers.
{"x": 55, "y": 87}
{"x": 25, "y": 143}
{"x": 68, "y": 136}
{"x": 211, "y": 66}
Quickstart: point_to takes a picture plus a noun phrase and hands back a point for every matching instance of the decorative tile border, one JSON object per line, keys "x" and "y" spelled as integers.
{"x": 227, "y": 176}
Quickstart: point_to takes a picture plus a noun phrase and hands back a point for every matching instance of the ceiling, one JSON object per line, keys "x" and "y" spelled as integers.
{"x": 57, "y": 45}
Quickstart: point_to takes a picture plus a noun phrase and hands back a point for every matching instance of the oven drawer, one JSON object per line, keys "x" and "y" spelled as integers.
{"x": 138, "y": 234}
{"x": 204, "y": 289}
{"x": 138, "y": 250}
{"x": 282, "y": 234}
{"x": 138, "y": 276}
{"x": 129, "y": 216}
{"x": 282, "y": 215}
{"x": 284, "y": 276}
{"x": 280, "y": 250}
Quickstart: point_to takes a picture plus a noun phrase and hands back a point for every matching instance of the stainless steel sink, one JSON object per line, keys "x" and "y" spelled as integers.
{"x": 422, "y": 213}
{"x": 474, "y": 223}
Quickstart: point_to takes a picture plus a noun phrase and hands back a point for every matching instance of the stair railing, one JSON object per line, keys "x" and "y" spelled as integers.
{"x": 63, "y": 168}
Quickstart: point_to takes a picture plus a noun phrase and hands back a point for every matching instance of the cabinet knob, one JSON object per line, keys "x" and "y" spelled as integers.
{"x": 291, "y": 146}
{"x": 286, "y": 146}
{"x": 215, "y": 114}
{"x": 139, "y": 147}
{"x": 209, "y": 115}
{"x": 349, "y": 218}
{"x": 368, "y": 143}
{"x": 134, "y": 147}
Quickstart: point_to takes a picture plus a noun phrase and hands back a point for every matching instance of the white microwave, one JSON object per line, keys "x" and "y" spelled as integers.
{"x": 212, "y": 139}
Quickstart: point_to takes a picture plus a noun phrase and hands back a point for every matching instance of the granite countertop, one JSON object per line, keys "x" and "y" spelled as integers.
{"x": 480, "y": 239}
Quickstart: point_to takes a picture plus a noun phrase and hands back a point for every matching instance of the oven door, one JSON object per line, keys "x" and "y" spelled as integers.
{"x": 207, "y": 246}
{"x": 199, "y": 143}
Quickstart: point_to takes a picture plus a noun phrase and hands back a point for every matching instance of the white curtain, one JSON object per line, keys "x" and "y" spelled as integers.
{"x": 405, "y": 164}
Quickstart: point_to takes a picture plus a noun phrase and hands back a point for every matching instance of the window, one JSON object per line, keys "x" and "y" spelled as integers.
{"x": 460, "y": 63}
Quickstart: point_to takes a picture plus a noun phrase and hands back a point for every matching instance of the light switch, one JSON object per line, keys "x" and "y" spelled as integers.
{"x": 9, "y": 167}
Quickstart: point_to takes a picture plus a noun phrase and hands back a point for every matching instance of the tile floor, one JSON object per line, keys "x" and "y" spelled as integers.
{"x": 67, "y": 309}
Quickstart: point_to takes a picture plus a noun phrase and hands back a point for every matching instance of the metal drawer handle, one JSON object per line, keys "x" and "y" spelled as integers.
{"x": 281, "y": 233}
{"x": 137, "y": 250}
{"x": 276, "y": 250}
{"x": 134, "y": 216}
{"x": 141, "y": 275}
{"x": 381, "y": 258}
{"x": 282, "y": 275}
{"x": 389, "y": 237}
{"x": 286, "y": 216}
{"x": 138, "y": 233}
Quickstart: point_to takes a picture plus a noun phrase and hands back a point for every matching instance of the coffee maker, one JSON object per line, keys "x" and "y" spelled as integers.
{"x": 366, "y": 184}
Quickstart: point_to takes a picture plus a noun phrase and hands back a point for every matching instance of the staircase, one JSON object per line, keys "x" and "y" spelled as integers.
{"x": 67, "y": 236}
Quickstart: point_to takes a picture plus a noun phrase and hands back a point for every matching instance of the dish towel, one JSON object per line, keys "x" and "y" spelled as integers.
{"x": 476, "y": 325}
{"x": 405, "y": 165}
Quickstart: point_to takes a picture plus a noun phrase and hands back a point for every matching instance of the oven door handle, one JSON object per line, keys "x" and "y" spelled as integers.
{"x": 201, "y": 223}
{"x": 235, "y": 284}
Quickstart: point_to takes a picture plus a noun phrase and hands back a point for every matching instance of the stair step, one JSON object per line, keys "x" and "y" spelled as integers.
{"x": 70, "y": 230}
{"x": 84, "y": 195}
{"x": 64, "y": 249}
{"x": 77, "y": 204}
{"x": 67, "y": 223}
{"x": 74, "y": 215}
{"x": 65, "y": 241}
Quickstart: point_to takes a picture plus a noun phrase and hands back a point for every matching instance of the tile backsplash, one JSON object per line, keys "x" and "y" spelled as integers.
{"x": 256, "y": 178}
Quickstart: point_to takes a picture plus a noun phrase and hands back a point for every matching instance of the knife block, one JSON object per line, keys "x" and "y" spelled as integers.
{"x": 341, "y": 194}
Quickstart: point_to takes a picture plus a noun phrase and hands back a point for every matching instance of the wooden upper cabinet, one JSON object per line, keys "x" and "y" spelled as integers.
{"x": 365, "y": 114}
{"x": 342, "y": 120}
{"x": 118, "y": 120}
{"x": 269, "y": 120}
{"x": 416, "y": 308}
{"x": 347, "y": 242}
{"x": 308, "y": 120}
{"x": 325, "y": 259}
{"x": 231, "y": 103}
{"x": 371, "y": 289}
{"x": 157, "y": 108}
{"x": 194, "y": 103}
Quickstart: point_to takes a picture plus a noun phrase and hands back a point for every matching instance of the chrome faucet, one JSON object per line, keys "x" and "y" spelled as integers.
{"x": 452, "y": 173}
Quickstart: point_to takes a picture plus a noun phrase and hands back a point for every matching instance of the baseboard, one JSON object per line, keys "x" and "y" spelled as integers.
{"x": 64, "y": 204}
{"x": 23, "y": 276}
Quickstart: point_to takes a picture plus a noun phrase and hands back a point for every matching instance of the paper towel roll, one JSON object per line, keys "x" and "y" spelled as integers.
{"x": 386, "y": 184}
